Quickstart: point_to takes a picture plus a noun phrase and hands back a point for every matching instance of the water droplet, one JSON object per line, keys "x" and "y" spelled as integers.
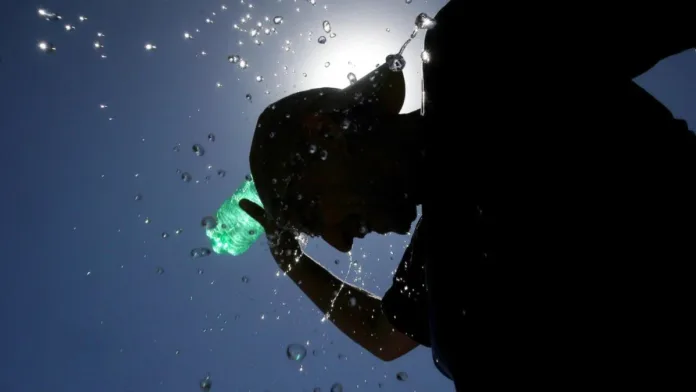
{"x": 138, "y": 197}
{"x": 296, "y": 352}
{"x": 425, "y": 56}
{"x": 176, "y": 148}
{"x": 408, "y": 1}
{"x": 245, "y": 279}
{"x": 200, "y": 271}
{"x": 46, "y": 47}
{"x": 321, "y": 40}
{"x": 165, "y": 235}
{"x": 312, "y": 148}
{"x": 278, "y": 20}
{"x": 248, "y": 97}
{"x": 336, "y": 261}
{"x": 159, "y": 270}
{"x": 206, "y": 384}
{"x": 147, "y": 221}
{"x": 337, "y": 387}
{"x": 388, "y": 30}
{"x": 327, "y": 64}
{"x": 402, "y": 376}
{"x": 352, "y": 78}
{"x": 200, "y": 252}
{"x": 323, "y": 154}
{"x": 48, "y": 15}
{"x": 187, "y": 35}
{"x": 209, "y": 222}
{"x": 150, "y": 47}
{"x": 423, "y": 21}
{"x": 332, "y": 35}
{"x": 259, "y": 78}
{"x": 186, "y": 177}
{"x": 233, "y": 59}
{"x": 198, "y": 150}
{"x": 396, "y": 62}
{"x": 211, "y": 137}
{"x": 327, "y": 26}
{"x": 221, "y": 173}
{"x": 178, "y": 231}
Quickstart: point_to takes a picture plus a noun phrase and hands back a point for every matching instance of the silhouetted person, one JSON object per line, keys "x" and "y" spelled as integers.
{"x": 556, "y": 240}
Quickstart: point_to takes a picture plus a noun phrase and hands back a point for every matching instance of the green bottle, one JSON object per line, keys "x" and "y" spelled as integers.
{"x": 236, "y": 231}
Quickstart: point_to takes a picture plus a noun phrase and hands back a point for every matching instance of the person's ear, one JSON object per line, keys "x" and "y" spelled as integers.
{"x": 382, "y": 90}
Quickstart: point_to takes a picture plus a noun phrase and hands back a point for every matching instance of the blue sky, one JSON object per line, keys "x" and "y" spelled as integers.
{"x": 82, "y": 304}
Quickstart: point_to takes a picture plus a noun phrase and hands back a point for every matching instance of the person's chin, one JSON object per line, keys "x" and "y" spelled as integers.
{"x": 402, "y": 227}
{"x": 343, "y": 246}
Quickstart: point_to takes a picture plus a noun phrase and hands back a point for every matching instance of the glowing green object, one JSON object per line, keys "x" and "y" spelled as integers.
{"x": 235, "y": 231}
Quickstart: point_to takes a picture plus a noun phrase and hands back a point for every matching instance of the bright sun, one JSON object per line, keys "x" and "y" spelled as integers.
{"x": 359, "y": 54}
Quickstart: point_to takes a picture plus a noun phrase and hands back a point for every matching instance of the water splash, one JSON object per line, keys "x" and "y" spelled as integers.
{"x": 327, "y": 316}
{"x": 423, "y": 22}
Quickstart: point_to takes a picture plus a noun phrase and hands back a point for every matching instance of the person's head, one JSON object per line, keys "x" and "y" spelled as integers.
{"x": 340, "y": 163}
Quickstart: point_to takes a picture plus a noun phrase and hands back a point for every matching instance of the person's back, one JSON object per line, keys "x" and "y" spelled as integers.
{"x": 572, "y": 253}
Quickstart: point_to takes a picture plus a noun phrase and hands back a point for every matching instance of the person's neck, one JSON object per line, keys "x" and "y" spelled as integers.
{"x": 409, "y": 130}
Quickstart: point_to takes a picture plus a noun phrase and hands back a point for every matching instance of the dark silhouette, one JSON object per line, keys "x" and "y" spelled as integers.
{"x": 556, "y": 241}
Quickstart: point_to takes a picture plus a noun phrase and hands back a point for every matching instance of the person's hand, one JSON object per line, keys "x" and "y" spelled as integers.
{"x": 284, "y": 243}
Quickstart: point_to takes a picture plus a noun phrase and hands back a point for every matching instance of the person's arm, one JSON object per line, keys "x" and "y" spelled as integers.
{"x": 356, "y": 312}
